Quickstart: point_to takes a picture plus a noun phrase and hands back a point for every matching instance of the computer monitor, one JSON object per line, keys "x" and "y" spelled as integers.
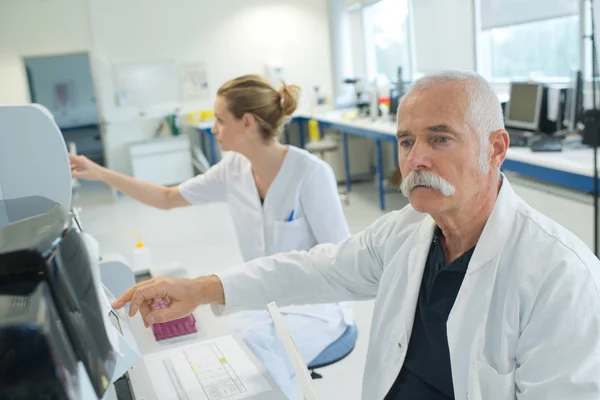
{"x": 574, "y": 102}
{"x": 525, "y": 106}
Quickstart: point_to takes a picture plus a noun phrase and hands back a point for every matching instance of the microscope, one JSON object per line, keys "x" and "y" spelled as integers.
{"x": 362, "y": 105}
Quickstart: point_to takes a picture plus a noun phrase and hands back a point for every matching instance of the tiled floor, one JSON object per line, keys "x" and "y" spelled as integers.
{"x": 203, "y": 240}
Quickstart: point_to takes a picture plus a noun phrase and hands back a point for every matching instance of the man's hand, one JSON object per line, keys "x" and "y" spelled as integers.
{"x": 181, "y": 296}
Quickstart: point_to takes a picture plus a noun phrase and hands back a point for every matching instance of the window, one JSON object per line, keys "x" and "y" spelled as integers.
{"x": 387, "y": 44}
{"x": 545, "y": 50}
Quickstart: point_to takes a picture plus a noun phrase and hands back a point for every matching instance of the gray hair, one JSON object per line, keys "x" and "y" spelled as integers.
{"x": 485, "y": 112}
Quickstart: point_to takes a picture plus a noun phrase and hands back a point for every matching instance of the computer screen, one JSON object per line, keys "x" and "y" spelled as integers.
{"x": 574, "y": 101}
{"x": 524, "y": 107}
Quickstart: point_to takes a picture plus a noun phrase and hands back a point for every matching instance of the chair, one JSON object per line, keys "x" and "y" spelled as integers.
{"x": 335, "y": 352}
{"x": 321, "y": 147}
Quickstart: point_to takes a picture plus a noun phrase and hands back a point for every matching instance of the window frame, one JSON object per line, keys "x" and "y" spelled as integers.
{"x": 369, "y": 49}
{"x": 483, "y": 54}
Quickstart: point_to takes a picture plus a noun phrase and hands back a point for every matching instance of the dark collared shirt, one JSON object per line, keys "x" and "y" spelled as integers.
{"x": 426, "y": 373}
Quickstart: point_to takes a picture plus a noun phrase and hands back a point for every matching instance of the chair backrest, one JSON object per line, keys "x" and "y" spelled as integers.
{"x": 302, "y": 374}
{"x": 33, "y": 155}
{"x": 337, "y": 350}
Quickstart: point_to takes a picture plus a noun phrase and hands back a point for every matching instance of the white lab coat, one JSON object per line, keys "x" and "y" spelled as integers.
{"x": 305, "y": 185}
{"x": 525, "y": 324}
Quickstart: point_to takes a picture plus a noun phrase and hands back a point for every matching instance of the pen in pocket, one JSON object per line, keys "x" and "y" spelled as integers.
{"x": 291, "y": 217}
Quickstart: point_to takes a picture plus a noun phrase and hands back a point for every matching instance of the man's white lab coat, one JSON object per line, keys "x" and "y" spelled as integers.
{"x": 525, "y": 324}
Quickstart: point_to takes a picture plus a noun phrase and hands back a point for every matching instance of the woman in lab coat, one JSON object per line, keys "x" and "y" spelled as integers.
{"x": 281, "y": 198}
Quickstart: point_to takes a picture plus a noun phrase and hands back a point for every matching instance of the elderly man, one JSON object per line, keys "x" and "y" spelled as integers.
{"x": 477, "y": 295}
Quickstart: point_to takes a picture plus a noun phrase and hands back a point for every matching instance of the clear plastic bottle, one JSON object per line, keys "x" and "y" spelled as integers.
{"x": 142, "y": 257}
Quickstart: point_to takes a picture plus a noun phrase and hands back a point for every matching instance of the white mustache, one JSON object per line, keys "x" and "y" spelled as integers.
{"x": 428, "y": 179}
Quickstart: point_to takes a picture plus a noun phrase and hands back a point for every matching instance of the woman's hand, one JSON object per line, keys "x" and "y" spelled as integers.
{"x": 84, "y": 168}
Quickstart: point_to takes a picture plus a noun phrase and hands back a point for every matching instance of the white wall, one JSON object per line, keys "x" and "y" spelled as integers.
{"x": 233, "y": 37}
{"x": 357, "y": 38}
{"x": 341, "y": 34}
{"x": 13, "y": 81}
{"x": 35, "y": 28}
{"x": 444, "y": 34}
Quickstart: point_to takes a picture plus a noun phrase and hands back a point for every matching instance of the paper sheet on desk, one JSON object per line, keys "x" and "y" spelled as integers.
{"x": 212, "y": 370}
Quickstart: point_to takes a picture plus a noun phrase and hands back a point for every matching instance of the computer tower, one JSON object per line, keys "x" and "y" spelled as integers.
{"x": 591, "y": 123}
{"x": 546, "y": 125}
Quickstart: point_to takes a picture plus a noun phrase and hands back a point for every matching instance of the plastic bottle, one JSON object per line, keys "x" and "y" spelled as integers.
{"x": 313, "y": 130}
{"x": 142, "y": 257}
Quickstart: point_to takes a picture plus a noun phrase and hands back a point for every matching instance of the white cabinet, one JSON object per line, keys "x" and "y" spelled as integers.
{"x": 164, "y": 161}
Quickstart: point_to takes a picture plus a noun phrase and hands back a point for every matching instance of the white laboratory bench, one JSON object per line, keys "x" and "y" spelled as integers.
{"x": 209, "y": 327}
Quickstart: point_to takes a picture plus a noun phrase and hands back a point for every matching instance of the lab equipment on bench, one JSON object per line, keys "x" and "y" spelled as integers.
{"x": 397, "y": 90}
{"x": 49, "y": 268}
{"x": 54, "y": 305}
{"x": 525, "y": 106}
{"x": 574, "y": 103}
{"x": 60, "y": 338}
{"x": 361, "y": 105}
{"x": 527, "y": 119}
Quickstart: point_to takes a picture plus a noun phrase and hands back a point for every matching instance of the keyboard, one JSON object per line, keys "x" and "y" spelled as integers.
{"x": 547, "y": 144}
{"x": 518, "y": 138}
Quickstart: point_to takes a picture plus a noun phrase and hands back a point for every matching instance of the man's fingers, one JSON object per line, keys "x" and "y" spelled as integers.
{"x": 126, "y": 297}
{"x": 146, "y": 293}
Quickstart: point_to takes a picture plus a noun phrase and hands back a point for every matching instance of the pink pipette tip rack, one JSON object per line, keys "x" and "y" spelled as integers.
{"x": 178, "y": 327}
